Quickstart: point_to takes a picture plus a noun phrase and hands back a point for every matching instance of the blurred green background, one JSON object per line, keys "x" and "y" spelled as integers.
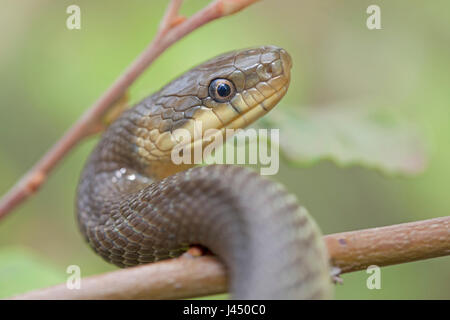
{"x": 49, "y": 75}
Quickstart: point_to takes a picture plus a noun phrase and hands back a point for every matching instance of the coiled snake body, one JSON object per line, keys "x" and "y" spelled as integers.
{"x": 134, "y": 205}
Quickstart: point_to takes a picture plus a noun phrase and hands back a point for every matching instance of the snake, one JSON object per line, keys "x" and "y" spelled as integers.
{"x": 134, "y": 205}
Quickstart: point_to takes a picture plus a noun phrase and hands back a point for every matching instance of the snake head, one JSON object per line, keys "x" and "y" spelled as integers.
{"x": 230, "y": 91}
{"x": 260, "y": 78}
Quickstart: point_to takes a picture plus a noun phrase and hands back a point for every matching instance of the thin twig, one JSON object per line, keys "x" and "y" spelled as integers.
{"x": 187, "y": 277}
{"x": 173, "y": 27}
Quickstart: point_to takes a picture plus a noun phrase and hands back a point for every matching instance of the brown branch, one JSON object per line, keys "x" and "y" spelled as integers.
{"x": 173, "y": 27}
{"x": 406, "y": 242}
{"x": 187, "y": 277}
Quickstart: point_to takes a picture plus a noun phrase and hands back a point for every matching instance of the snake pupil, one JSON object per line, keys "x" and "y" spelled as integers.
{"x": 223, "y": 90}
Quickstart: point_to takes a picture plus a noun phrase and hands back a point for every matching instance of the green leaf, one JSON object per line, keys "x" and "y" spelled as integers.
{"x": 371, "y": 137}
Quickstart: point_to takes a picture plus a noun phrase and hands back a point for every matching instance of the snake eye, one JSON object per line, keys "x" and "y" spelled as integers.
{"x": 221, "y": 90}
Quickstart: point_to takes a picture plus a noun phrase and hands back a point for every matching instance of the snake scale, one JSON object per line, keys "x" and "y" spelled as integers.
{"x": 135, "y": 206}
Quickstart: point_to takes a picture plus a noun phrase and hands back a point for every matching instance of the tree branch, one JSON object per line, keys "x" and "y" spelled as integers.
{"x": 173, "y": 27}
{"x": 406, "y": 242}
{"x": 187, "y": 277}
